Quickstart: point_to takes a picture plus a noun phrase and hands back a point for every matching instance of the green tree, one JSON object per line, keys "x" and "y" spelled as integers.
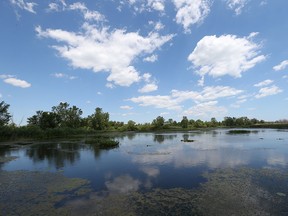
{"x": 44, "y": 120}
{"x": 158, "y": 122}
{"x": 184, "y": 122}
{"x": 131, "y": 125}
{"x": 4, "y": 114}
{"x": 213, "y": 122}
{"x": 99, "y": 120}
{"x": 69, "y": 116}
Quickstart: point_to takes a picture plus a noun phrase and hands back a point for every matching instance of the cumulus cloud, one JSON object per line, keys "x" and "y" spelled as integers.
{"x": 151, "y": 58}
{"x": 205, "y": 109}
{"x": 264, "y": 83}
{"x": 208, "y": 93}
{"x": 174, "y": 100}
{"x": 156, "y": 4}
{"x": 17, "y": 82}
{"x": 281, "y": 66}
{"x": 268, "y": 91}
{"x": 100, "y": 49}
{"x": 157, "y": 101}
{"x": 225, "y": 55}
{"x": 28, "y": 6}
{"x": 190, "y": 12}
{"x": 148, "y": 88}
{"x": 88, "y": 15}
{"x": 237, "y": 5}
{"x": 53, "y": 7}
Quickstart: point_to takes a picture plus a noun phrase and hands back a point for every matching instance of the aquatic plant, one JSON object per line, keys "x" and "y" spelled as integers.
{"x": 102, "y": 142}
{"x": 241, "y": 131}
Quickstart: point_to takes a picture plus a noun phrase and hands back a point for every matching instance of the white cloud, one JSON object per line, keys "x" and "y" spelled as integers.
{"x": 17, "y": 82}
{"x": 190, "y": 12}
{"x": 65, "y": 76}
{"x": 268, "y": 91}
{"x": 5, "y": 76}
{"x": 151, "y": 58}
{"x": 146, "y": 77}
{"x": 281, "y": 66}
{"x": 207, "y": 109}
{"x": 126, "y": 107}
{"x": 237, "y": 5}
{"x": 88, "y": 15}
{"x": 53, "y": 7}
{"x": 110, "y": 85}
{"x": 28, "y": 6}
{"x": 174, "y": 100}
{"x": 156, "y": 4}
{"x": 157, "y": 101}
{"x": 148, "y": 88}
{"x": 102, "y": 50}
{"x": 208, "y": 93}
{"x": 225, "y": 55}
{"x": 264, "y": 83}
{"x": 159, "y": 26}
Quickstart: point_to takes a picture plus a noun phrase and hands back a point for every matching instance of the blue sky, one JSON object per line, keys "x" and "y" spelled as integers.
{"x": 138, "y": 59}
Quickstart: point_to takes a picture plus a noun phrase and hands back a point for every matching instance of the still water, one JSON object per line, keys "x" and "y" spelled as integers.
{"x": 147, "y": 161}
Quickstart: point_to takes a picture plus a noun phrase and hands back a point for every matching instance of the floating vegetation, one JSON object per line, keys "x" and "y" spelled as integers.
{"x": 187, "y": 140}
{"x": 241, "y": 131}
{"x": 102, "y": 142}
{"x": 243, "y": 191}
{"x": 36, "y": 193}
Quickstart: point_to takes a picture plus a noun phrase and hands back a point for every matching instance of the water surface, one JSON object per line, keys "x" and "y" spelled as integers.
{"x": 145, "y": 162}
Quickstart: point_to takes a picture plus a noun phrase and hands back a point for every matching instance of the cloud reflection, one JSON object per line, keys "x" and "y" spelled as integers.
{"x": 123, "y": 184}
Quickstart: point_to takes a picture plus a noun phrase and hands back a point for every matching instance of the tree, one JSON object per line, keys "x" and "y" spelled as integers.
{"x": 213, "y": 122}
{"x": 158, "y": 122}
{"x": 69, "y": 116}
{"x": 99, "y": 120}
{"x": 4, "y": 114}
{"x": 184, "y": 122}
{"x": 44, "y": 120}
{"x": 131, "y": 125}
{"x": 229, "y": 121}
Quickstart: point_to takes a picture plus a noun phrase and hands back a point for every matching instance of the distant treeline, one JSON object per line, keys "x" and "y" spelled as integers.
{"x": 64, "y": 120}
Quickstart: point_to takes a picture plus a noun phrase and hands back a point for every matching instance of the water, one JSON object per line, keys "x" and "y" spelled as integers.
{"x": 147, "y": 161}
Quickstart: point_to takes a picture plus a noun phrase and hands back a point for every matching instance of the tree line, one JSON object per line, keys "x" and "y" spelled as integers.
{"x": 64, "y": 116}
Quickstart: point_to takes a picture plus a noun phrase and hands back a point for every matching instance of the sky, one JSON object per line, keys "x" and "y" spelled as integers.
{"x": 139, "y": 59}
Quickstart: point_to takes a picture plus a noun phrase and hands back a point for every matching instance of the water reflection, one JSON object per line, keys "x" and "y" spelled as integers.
{"x": 160, "y": 138}
{"x": 122, "y": 184}
{"x": 140, "y": 162}
{"x": 59, "y": 155}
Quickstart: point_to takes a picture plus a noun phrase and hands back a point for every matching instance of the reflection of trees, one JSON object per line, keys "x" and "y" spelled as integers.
{"x": 5, "y": 150}
{"x": 160, "y": 138}
{"x": 56, "y": 154}
{"x": 131, "y": 136}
